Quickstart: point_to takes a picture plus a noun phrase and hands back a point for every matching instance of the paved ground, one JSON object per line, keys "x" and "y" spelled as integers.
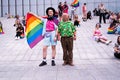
{"x": 93, "y": 61}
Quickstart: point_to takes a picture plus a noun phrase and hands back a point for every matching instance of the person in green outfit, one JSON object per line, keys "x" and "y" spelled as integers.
{"x": 67, "y": 33}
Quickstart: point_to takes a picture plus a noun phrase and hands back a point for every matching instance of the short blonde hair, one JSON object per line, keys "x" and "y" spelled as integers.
{"x": 65, "y": 17}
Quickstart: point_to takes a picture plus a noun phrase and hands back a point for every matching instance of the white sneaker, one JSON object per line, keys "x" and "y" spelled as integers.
{"x": 16, "y": 38}
{"x": 108, "y": 42}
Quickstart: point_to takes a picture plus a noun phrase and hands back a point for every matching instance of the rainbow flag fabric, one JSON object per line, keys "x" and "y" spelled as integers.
{"x": 75, "y": 3}
{"x": 110, "y": 31}
{"x": 33, "y": 30}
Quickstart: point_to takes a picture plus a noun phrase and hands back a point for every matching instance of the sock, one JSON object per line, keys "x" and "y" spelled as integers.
{"x": 44, "y": 59}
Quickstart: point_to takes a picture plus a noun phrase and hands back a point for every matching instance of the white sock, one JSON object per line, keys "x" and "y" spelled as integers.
{"x": 44, "y": 60}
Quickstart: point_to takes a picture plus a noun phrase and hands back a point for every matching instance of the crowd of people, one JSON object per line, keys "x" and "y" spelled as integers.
{"x": 113, "y": 28}
{"x": 65, "y": 30}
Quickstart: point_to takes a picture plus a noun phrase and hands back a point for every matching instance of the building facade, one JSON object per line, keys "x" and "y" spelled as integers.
{"x": 21, "y": 7}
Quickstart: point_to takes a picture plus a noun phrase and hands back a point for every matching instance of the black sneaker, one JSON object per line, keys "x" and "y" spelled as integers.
{"x": 53, "y": 63}
{"x": 43, "y": 63}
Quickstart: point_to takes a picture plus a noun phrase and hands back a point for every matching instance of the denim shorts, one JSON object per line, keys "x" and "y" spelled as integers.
{"x": 49, "y": 38}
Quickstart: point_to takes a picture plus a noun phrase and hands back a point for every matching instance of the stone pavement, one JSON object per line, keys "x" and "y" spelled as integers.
{"x": 93, "y": 61}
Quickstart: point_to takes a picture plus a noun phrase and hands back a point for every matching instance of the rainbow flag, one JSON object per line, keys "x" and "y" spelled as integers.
{"x": 33, "y": 30}
{"x": 75, "y": 3}
{"x": 110, "y": 31}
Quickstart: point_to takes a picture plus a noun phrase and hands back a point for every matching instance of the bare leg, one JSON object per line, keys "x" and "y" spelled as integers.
{"x": 53, "y": 51}
{"x": 44, "y": 56}
{"x": 45, "y": 52}
{"x": 107, "y": 42}
{"x": 53, "y": 55}
{"x": 103, "y": 40}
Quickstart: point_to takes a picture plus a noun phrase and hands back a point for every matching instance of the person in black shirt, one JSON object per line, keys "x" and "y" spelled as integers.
{"x": 76, "y": 21}
{"x": 19, "y": 32}
{"x": 89, "y": 16}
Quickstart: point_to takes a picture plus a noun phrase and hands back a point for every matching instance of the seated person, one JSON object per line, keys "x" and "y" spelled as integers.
{"x": 117, "y": 48}
{"x": 95, "y": 12}
{"x": 89, "y": 16}
{"x": 17, "y": 23}
{"x": 112, "y": 18}
{"x": 1, "y": 29}
{"x": 76, "y": 21}
{"x": 99, "y": 37}
{"x": 19, "y": 32}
